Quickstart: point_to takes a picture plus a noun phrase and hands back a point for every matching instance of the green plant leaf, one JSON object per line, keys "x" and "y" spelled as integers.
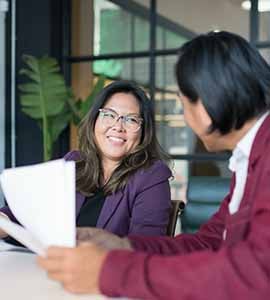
{"x": 44, "y": 98}
{"x": 59, "y": 123}
{"x": 46, "y": 94}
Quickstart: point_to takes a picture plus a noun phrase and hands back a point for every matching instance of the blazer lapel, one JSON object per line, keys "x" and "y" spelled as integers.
{"x": 110, "y": 205}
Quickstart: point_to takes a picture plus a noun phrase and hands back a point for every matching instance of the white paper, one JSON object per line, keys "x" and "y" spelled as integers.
{"x": 22, "y": 235}
{"x": 42, "y": 198}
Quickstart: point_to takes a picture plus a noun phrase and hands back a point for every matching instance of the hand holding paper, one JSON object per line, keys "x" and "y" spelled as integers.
{"x": 42, "y": 198}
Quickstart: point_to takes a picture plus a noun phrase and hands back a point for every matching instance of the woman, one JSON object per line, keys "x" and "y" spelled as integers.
{"x": 121, "y": 178}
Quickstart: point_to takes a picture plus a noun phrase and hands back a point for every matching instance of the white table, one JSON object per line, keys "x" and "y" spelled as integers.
{"x": 22, "y": 279}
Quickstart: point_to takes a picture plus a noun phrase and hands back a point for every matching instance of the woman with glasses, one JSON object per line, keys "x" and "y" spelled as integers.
{"x": 121, "y": 175}
{"x": 122, "y": 180}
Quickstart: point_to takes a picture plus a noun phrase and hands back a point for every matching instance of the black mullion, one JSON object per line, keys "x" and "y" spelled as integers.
{"x": 164, "y": 81}
{"x": 8, "y": 156}
{"x": 152, "y": 67}
{"x": 202, "y": 156}
{"x": 263, "y": 44}
{"x": 254, "y": 22}
{"x": 132, "y": 28}
{"x": 60, "y": 41}
{"x": 123, "y": 55}
{"x": 66, "y": 39}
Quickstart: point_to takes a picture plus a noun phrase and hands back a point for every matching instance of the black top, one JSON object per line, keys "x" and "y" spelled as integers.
{"x": 90, "y": 210}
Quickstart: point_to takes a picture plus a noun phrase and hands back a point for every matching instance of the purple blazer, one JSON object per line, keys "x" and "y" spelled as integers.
{"x": 142, "y": 207}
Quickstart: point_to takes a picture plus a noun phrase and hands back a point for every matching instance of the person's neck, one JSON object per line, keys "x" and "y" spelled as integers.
{"x": 108, "y": 167}
{"x": 233, "y": 138}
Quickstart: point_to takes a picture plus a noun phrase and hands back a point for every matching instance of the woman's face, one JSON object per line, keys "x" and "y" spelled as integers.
{"x": 116, "y": 141}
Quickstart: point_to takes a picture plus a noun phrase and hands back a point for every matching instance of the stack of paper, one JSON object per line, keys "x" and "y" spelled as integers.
{"x": 42, "y": 198}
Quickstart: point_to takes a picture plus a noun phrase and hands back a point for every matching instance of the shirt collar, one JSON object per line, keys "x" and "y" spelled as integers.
{"x": 243, "y": 147}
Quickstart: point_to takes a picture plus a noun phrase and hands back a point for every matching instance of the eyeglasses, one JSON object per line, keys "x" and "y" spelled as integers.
{"x": 110, "y": 117}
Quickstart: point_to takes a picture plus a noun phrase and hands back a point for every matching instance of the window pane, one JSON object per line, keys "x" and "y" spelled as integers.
{"x": 266, "y": 54}
{"x": 119, "y": 30}
{"x": 167, "y": 38}
{"x": 264, "y": 26}
{"x": 172, "y": 131}
{"x": 183, "y": 169}
{"x": 173, "y": 39}
{"x": 110, "y": 19}
{"x": 141, "y": 37}
{"x": 136, "y": 69}
{"x": 204, "y": 15}
{"x": 209, "y": 168}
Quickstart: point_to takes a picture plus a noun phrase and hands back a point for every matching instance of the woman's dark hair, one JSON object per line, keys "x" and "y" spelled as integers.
{"x": 89, "y": 170}
{"x": 228, "y": 75}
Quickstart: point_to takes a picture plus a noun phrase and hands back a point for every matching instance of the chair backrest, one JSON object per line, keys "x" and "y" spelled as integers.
{"x": 177, "y": 208}
{"x": 204, "y": 195}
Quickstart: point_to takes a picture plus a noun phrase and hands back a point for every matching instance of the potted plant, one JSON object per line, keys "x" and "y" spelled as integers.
{"x": 47, "y": 99}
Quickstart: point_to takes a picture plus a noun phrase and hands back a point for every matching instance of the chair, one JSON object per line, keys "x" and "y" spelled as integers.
{"x": 176, "y": 210}
{"x": 204, "y": 195}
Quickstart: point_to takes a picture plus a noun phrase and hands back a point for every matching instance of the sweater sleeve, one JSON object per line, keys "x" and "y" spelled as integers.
{"x": 208, "y": 237}
{"x": 241, "y": 271}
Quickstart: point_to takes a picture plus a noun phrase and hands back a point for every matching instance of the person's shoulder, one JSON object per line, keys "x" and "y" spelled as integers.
{"x": 157, "y": 167}
{"x": 158, "y": 172}
{"x": 73, "y": 155}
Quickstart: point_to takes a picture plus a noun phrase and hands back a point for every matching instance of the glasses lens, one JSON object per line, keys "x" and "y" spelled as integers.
{"x": 108, "y": 117}
{"x": 132, "y": 123}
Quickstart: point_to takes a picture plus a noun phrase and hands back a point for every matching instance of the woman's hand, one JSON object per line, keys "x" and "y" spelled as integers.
{"x": 77, "y": 269}
{"x": 102, "y": 238}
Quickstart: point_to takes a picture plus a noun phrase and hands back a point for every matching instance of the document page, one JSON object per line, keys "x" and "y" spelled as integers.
{"x": 42, "y": 198}
{"x": 21, "y": 235}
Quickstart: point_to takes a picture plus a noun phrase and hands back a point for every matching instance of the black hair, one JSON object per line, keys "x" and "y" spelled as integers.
{"x": 228, "y": 75}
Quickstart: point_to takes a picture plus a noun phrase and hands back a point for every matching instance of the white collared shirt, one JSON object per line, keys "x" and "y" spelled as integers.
{"x": 239, "y": 163}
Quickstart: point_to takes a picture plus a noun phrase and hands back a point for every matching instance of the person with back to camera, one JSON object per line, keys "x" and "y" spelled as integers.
{"x": 224, "y": 88}
{"x": 121, "y": 172}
